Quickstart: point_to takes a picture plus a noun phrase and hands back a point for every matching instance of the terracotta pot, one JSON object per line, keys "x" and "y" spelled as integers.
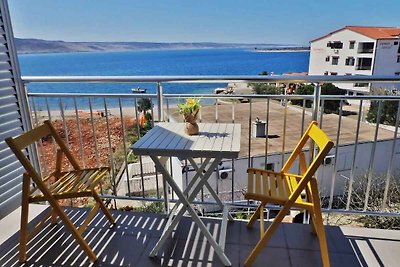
{"x": 191, "y": 126}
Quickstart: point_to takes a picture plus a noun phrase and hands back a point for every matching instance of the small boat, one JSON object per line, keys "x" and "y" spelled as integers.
{"x": 139, "y": 90}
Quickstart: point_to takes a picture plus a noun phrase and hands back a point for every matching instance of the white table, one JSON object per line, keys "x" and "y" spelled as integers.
{"x": 214, "y": 142}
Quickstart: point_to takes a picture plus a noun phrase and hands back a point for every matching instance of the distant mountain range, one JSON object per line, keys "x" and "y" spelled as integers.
{"x": 25, "y": 46}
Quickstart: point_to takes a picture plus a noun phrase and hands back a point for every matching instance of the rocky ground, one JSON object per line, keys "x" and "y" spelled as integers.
{"x": 88, "y": 158}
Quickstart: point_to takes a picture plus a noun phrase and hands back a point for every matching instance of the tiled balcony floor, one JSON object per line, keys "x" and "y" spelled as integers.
{"x": 135, "y": 234}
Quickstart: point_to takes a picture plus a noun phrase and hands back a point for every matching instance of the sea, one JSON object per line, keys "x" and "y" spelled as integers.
{"x": 151, "y": 62}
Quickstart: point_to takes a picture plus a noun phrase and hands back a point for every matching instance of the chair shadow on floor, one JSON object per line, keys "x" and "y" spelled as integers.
{"x": 130, "y": 241}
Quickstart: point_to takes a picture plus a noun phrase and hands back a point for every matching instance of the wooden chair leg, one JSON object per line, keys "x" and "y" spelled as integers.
{"x": 23, "y": 233}
{"x": 71, "y": 227}
{"x": 262, "y": 221}
{"x": 54, "y": 217}
{"x": 319, "y": 224}
{"x": 256, "y": 214}
{"x": 310, "y": 199}
{"x": 103, "y": 207}
{"x": 267, "y": 235}
{"x": 313, "y": 228}
{"x": 64, "y": 218}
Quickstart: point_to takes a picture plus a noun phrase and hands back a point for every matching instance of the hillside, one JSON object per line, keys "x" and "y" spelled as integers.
{"x": 25, "y": 46}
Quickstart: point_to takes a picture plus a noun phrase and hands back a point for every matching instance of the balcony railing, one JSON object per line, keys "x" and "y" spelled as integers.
{"x": 366, "y": 51}
{"x": 111, "y": 117}
{"x": 362, "y": 67}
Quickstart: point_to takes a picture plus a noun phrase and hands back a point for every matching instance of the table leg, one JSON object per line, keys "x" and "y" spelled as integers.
{"x": 187, "y": 207}
{"x": 163, "y": 161}
{"x": 210, "y": 189}
{"x": 187, "y": 189}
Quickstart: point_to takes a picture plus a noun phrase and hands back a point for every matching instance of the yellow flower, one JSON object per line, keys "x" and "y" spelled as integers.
{"x": 191, "y": 102}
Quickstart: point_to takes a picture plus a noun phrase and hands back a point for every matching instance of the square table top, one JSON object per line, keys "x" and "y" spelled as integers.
{"x": 169, "y": 139}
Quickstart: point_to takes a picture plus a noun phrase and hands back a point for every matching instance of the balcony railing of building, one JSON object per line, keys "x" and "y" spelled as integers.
{"x": 111, "y": 115}
{"x": 363, "y": 67}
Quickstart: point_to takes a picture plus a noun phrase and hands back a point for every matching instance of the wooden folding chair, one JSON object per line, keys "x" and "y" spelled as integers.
{"x": 58, "y": 185}
{"x": 284, "y": 188}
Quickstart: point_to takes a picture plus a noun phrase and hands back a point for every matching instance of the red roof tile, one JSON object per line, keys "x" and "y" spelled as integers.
{"x": 371, "y": 32}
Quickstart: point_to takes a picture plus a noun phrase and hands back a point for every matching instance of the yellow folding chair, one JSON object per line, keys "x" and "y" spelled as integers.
{"x": 58, "y": 185}
{"x": 284, "y": 188}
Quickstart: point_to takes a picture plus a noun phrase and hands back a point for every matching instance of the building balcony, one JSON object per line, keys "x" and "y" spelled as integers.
{"x": 366, "y": 48}
{"x": 366, "y": 51}
{"x": 130, "y": 241}
{"x": 100, "y": 128}
{"x": 364, "y": 67}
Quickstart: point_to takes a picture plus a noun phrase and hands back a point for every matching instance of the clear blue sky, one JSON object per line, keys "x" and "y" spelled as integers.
{"x": 240, "y": 21}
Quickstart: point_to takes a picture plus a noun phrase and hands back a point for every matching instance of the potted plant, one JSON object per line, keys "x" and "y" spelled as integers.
{"x": 189, "y": 109}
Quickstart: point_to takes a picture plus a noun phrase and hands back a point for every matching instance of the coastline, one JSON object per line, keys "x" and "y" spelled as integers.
{"x": 281, "y": 50}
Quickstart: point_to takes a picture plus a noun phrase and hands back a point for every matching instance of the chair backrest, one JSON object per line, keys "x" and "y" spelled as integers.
{"x": 324, "y": 145}
{"x": 21, "y": 142}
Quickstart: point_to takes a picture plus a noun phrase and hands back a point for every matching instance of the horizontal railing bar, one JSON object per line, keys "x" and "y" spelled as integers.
{"x": 360, "y": 212}
{"x": 307, "y": 97}
{"x": 213, "y": 78}
{"x": 248, "y": 205}
{"x": 93, "y": 95}
{"x": 213, "y": 96}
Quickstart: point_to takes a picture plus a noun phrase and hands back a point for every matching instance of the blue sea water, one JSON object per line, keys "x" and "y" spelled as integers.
{"x": 162, "y": 62}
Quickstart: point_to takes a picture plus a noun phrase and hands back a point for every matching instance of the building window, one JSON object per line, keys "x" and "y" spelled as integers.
{"x": 351, "y": 44}
{"x": 270, "y": 167}
{"x": 327, "y": 58}
{"x": 326, "y": 73}
{"x": 366, "y": 48}
{"x": 335, "y": 60}
{"x": 350, "y": 61}
{"x": 364, "y": 63}
{"x": 398, "y": 59}
{"x": 335, "y": 45}
{"x": 396, "y": 43}
{"x": 361, "y": 84}
{"x": 397, "y": 73}
{"x": 333, "y": 73}
{"x": 348, "y": 74}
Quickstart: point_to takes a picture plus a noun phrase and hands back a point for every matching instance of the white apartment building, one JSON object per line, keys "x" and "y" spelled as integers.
{"x": 357, "y": 50}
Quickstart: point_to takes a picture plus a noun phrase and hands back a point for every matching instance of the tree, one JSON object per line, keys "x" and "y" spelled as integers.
{"x": 303, "y": 89}
{"x": 265, "y": 89}
{"x": 331, "y": 106}
{"x": 388, "y": 112}
{"x": 144, "y": 104}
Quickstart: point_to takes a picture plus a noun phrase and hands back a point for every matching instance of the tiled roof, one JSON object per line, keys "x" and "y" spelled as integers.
{"x": 371, "y": 32}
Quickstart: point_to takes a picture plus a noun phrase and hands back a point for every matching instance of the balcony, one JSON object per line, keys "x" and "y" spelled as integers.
{"x": 366, "y": 48}
{"x": 110, "y": 119}
{"x": 130, "y": 241}
{"x": 364, "y": 63}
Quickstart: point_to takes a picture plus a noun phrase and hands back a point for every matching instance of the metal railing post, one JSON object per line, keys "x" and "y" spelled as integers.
{"x": 316, "y": 105}
{"x": 317, "y": 99}
{"x": 160, "y": 102}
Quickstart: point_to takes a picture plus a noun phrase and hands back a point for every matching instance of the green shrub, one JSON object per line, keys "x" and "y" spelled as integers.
{"x": 144, "y": 104}
{"x": 265, "y": 89}
{"x": 388, "y": 112}
{"x": 303, "y": 89}
{"x": 331, "y": 106}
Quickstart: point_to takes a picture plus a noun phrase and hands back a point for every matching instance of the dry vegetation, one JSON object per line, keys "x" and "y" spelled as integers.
{"x": 47, "y": 155}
